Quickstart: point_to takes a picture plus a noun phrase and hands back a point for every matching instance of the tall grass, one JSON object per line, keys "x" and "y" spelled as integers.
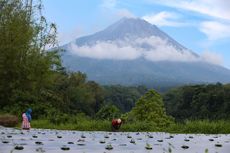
{"x": 86, "y": 125}
{"x": 199, "y": 126}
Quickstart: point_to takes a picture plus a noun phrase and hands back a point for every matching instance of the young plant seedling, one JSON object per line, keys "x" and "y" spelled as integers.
{"x": 82, "y": 136}
{"x": 109, "y": 147}
{"x": 148, "y": 146}
{"x": 132, "y": 141}
{"x": 170, "y": 150}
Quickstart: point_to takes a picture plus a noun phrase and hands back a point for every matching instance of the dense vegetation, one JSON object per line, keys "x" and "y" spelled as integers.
{"x": 123, "y": 97}
{"x": 32, "y": 75}
{"x": 194, "y": 102}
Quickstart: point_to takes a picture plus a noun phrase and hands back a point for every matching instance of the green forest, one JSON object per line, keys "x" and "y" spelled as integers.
{"x": 32, "y": 76}
{"x": 210, "y": 101}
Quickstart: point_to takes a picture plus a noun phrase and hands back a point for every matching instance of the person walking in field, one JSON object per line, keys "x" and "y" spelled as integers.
{"x": 26, "y": 119}
{"x": 116, "y": 124}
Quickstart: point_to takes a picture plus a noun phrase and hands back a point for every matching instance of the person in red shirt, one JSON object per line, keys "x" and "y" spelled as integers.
{"x": 116, "y": 124}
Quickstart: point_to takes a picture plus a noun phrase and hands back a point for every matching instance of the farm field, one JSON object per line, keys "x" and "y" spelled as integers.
{"x": 55, "y": 141}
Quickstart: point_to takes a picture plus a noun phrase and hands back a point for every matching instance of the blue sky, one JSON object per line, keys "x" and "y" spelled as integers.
{"x": 201, "y": 25}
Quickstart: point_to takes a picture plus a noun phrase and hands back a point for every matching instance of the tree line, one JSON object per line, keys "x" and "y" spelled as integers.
{"x": 206, "y": 101}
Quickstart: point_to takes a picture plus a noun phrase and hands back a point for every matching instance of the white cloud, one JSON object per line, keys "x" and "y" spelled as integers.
{"x": 158, "y": 50}
{"x": 213, "y": 8}
{"x": 212, "y": 57}
{"x": 217, "y": 10}
{"x": 164, "y": 19}
{"x": 161, "y": 50}
{"x": 215, "y": 30}
{"x": 106, "y": 50}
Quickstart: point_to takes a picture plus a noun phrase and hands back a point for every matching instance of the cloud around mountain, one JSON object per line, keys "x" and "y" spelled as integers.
{"x": 152, "y": 48}
{"x": 135, "y": 52}
{"x": 106, "y": 50}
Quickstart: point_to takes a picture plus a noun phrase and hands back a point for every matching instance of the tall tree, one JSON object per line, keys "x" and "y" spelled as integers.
{"x": 150, "y": 108}
{"x": 25, "y": 63}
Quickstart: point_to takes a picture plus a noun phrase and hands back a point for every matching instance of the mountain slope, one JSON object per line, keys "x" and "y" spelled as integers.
{"x": 134, "y": 52}
{"x": 131, "y": 28}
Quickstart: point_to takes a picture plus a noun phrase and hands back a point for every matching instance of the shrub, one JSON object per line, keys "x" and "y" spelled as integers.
{"x": 108, "y": 112}
{"x": 8, "y": 120}
{"x": 150, "y": 108}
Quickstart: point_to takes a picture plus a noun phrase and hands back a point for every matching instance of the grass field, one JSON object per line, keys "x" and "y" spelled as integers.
{"x": 200, "y": 126}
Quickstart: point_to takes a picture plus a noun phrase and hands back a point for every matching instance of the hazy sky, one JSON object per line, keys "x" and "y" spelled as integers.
{"x": 200, "y": 25}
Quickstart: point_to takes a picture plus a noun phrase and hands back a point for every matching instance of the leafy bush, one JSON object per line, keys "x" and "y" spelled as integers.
{"x": 150, "y": 108}
{"x": 108, "y": 112}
